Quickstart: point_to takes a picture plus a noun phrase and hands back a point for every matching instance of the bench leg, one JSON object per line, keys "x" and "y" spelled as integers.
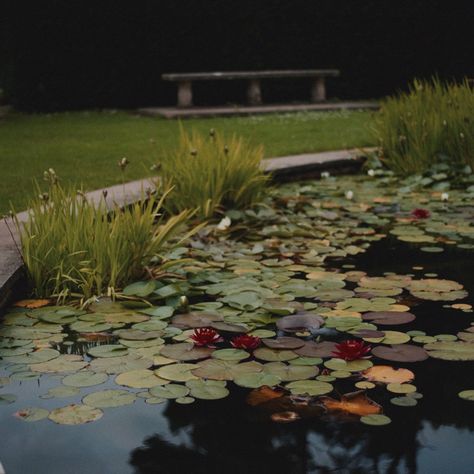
{"x": 318, "y": 90}
{"x": 185, "y": 94}
{"x": 254, "y": 93}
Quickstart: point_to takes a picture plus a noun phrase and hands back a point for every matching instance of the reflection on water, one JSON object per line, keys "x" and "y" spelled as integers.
{"x": 227, "y": 436}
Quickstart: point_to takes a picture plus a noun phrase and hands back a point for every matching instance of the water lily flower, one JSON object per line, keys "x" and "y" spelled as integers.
{"x": 205, "y": 337}
{"x": 349, "y": 194}
{"x": 224, "y": 224}
{"x": 352, "y": 350}
{"x": 245, "y": 341}
{"x": 444, "y": 196}
{"x": 325, "y": 174}
{"x": 371, "y": 172}
{"x": 420, "y": 213}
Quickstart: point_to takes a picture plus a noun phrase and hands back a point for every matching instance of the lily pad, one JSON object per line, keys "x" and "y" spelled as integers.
{"x": 108, "y": 350}
{"x": 287, "y": 373}
{"x": 207, "y": 389}
{"x": 375, "y": 420}
{"x": 109, "y": 398}
{"x": 61, "y": 392}
{"x": 230, "y": 354}
{"x": 284, "y": 343}
{"x": 300, "y": 322}
{"x": 186, "y": 351}
{"x": 401, "y": 353}
{"x": 177, "y": 372}
{"x": 467, "y": 395}
{"x": 388, "y": 318}
{"x": 273, "y": 355}
{"x": 170, "y": 391}
{"x": 461, "y": 351}
{"x": 317, "y": 349}
{"x": 84, "y": 379}
{"x": 141, "y": 378}
{"x": 309, "y": 387}
{"x": 256, "y": 380}
{"x": 196, "y": 319}
{"x": 118, "y": 365}
{"x": 223, "y": 370}
{"x": 63, "y": 363}
{"x": 32, "y": 414}
{"x": 75, "y": 415}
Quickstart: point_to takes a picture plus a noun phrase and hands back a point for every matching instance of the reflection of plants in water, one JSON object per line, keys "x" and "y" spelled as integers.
{"x": 220, "y": 438}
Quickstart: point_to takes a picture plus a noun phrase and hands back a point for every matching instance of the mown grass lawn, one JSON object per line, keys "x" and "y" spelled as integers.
{"x": 84, "y": 147}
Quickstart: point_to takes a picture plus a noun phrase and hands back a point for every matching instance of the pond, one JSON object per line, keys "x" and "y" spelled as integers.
{"x": 387, "y": 266}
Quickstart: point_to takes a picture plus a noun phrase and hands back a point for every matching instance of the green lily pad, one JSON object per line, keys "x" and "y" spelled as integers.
{"x": 185, "y": 400}
{"x": 61, "y": 392}
{"x": 461, "y": 351}
{"x": 274, "y": 355}
{"x": 160, "y": 312}
{"x": 140, "y": 378}
{"x": 224, "y": 370}
{"x": 118, "y": 365}
{"x": 255, "y": 380}
{"x": 230, "y": 354}
{"x": 404, "y": 401}
{"x": 108, "y": 350}
{"x": 287, "y": 373}
{"x": 306, "y": 361}
{"x": 75, "y": 415}
{"x": 109, "y": 398}
{"x": 177, "y": 372}
{"x": 32, "y": 414}
{"x": 84, "y": 379}
{"x": 186, "y": 351}
{"x": 170, "y": 391}
{"x": 63, "y": 363}
{"x": 375, "y": 420}
{"x": 401, "y": 388}
{"x": 309, "y": 387}
{"x": 467, "y": 395}
{"x": 41, "y": 355}
{"x": 7, "y": 398}
{"x": 207, "y": 389}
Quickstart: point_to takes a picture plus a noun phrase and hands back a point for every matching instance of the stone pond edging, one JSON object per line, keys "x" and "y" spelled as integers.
{"x": 282, "y": 168}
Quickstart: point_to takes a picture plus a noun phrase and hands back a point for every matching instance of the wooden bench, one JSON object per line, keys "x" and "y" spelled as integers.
{"x": 254, "y": 92}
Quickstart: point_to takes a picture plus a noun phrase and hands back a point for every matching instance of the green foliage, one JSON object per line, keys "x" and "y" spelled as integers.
{"x": 433, "y": 122}
{"x": 72, "y": 246}
{"x": 211, "y": 173}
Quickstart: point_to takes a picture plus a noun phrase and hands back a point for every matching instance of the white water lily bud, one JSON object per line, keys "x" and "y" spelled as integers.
{"x": 325, "y": 174}
{"x": 183, "y": 301}
{"x": 349, "y": 194}
{"x": 371, "y": 172}
{"x": 224, "y": 223}
{"x": 444, "y": 196}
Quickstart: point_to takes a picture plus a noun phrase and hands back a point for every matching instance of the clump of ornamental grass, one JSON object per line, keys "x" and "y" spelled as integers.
{"x": 429, "y": 124}
{"x": 212, "y": 174}
{"x": 72, "y": 246}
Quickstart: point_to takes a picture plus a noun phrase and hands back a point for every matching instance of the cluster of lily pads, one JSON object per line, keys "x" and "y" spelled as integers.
{"x": 259, "y": 307}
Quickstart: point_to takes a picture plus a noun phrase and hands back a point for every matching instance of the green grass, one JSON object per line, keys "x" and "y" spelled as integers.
{"x": 84, "y": 147}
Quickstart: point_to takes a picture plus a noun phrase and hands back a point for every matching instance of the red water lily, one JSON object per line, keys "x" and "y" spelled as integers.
{"x": 420, "y": 213}
{"x": 351, "y": 350}
{"x": 245, "y": 341}
{"x": 205, "y": 337}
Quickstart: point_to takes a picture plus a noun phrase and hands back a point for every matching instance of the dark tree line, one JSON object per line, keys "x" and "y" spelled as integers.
{"x": 60, "y": 54}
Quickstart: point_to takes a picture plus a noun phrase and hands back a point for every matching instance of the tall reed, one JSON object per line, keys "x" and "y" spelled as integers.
{"x": 74, "y": 247}
{"x": 212, "y": 173}
{"x": 432, "y": 122}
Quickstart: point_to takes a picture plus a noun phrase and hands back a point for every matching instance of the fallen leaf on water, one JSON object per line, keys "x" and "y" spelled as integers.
{"x": 355, "y": 403}
{"x": 387, "y": 374}
{"x": 263, "y": 394}
{"x": 32, "y": 304}
{"x": 285, "y": 416}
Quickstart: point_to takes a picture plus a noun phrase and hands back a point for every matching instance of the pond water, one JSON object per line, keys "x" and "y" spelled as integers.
{"x": 228, "y": 435}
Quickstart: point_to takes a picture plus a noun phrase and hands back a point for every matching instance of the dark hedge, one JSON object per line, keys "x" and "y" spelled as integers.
{"x": 65, "y": 54}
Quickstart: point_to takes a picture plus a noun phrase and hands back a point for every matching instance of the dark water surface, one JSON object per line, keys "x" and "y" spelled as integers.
{"x": 228, "y": 436}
